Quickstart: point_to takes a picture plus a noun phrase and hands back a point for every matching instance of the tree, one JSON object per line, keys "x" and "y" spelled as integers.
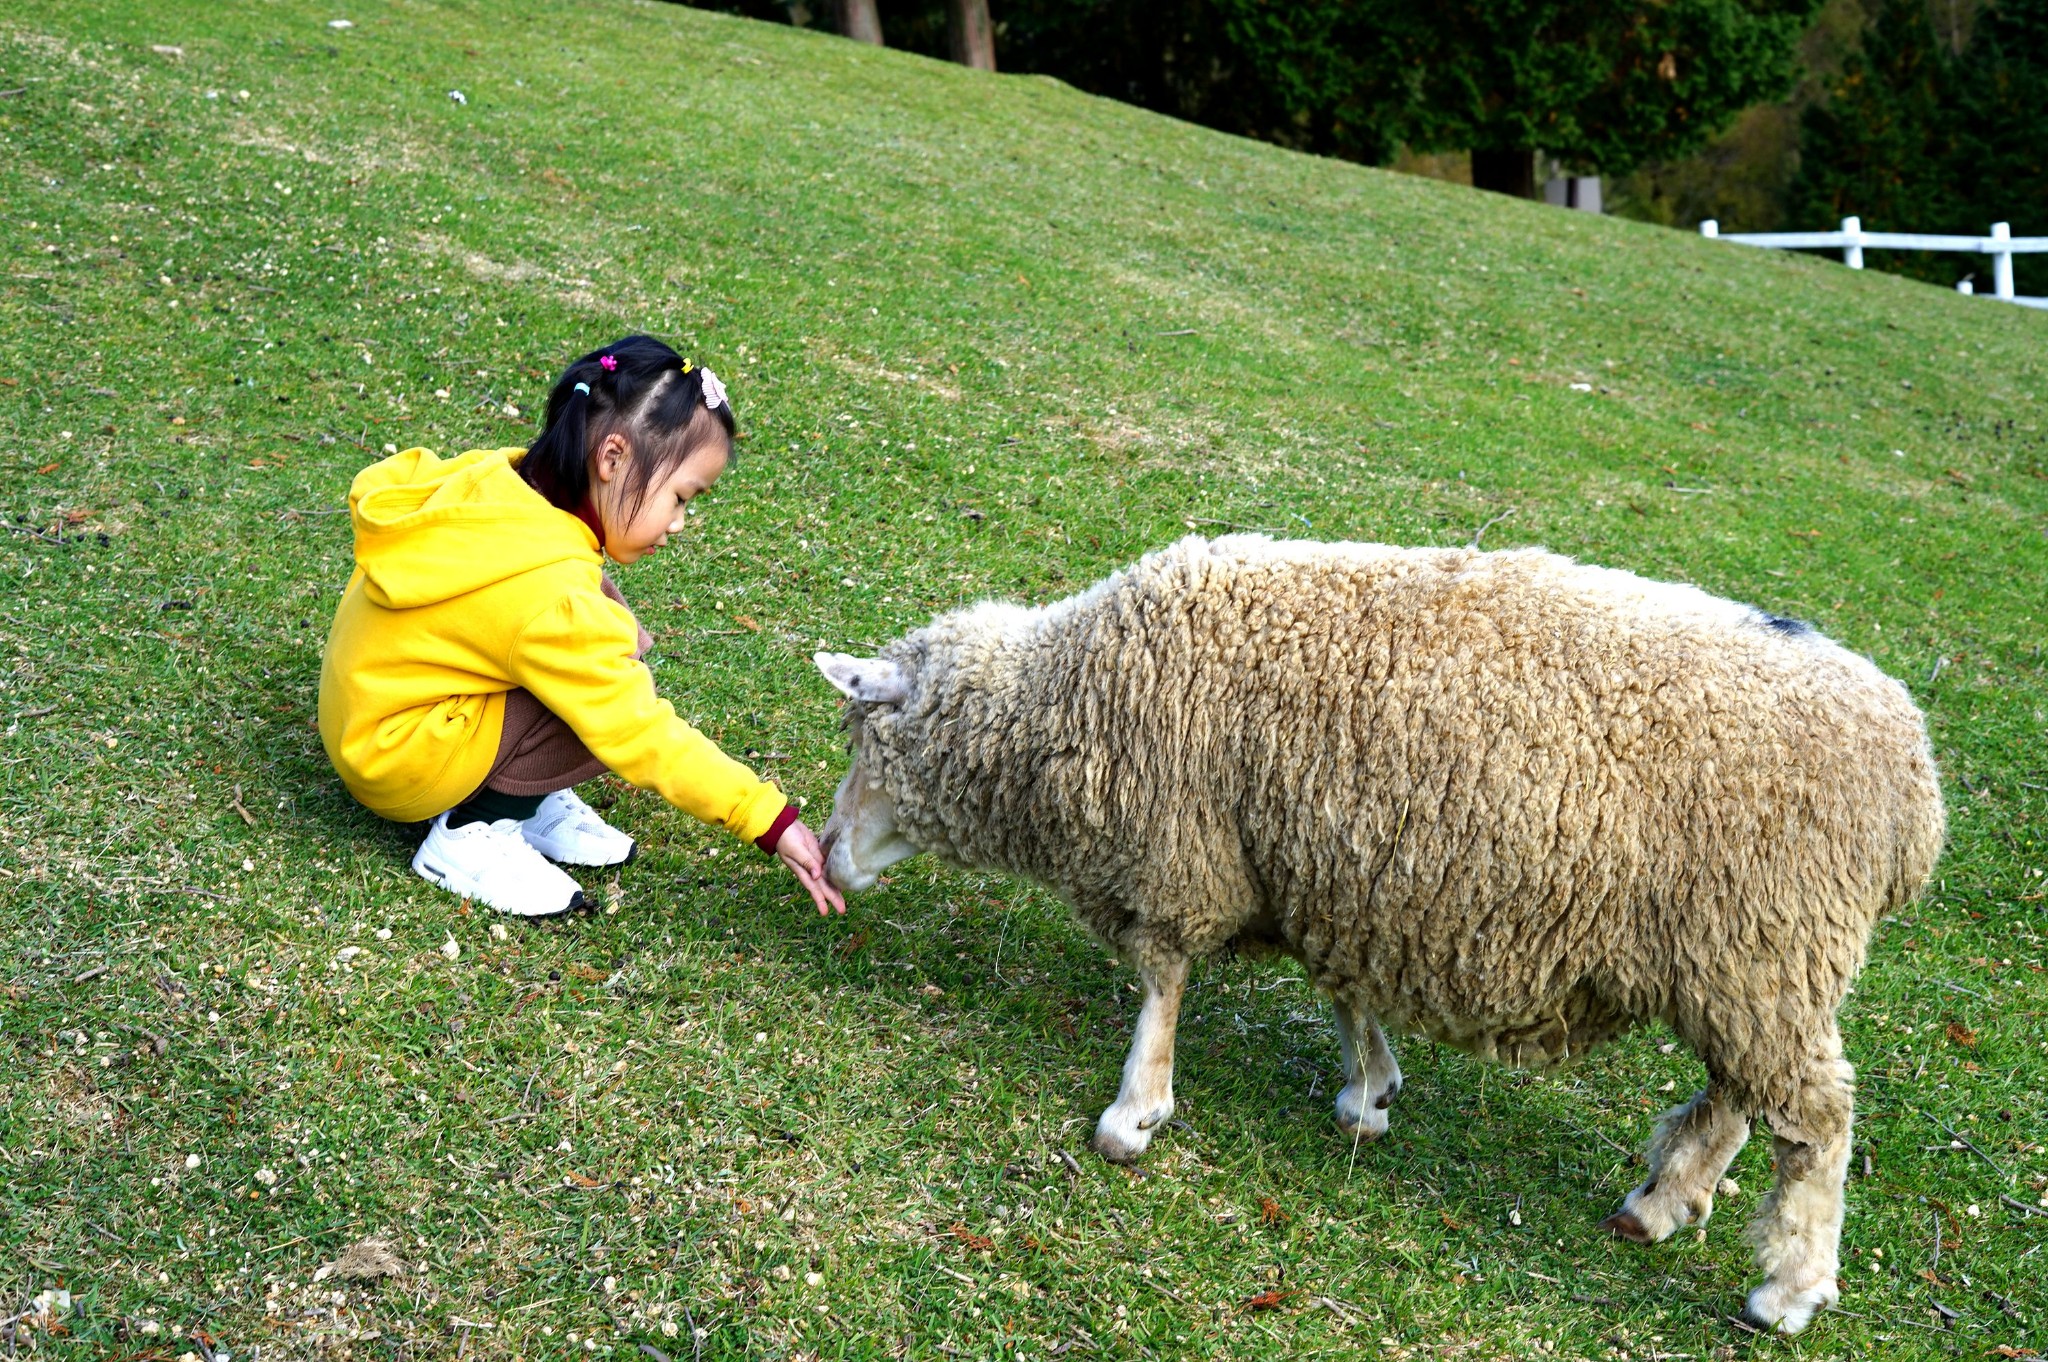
{"x": 1603, "y": 85}
{"x": 1915, "y": 138}
{"x": 970, "y": 35}
{"x": 1302, "y": 74}
{"x": 2002, "y": 126}
{"x": 860, "y": 21}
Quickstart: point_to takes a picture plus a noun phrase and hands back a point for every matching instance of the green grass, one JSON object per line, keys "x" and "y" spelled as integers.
{"x": 987, "y": 336}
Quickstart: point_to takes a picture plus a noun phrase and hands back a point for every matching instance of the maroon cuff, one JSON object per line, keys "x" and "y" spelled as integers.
{"x": 767, "y": 840}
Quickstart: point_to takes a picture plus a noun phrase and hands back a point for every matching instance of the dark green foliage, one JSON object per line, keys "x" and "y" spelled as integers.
{"x": 2001, "y": 138}
{"x": 1913, "y": 138}
{"x": 1319, "y": 76}
{"x": 1883, "y": 144}
{"x": 1600, "y": 86}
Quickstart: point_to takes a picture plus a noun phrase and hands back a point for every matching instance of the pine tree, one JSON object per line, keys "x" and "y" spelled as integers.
{"x": 1913, "y": 138}
{"x": 1882, "y": 145}
{"x": 2000, "y": 160}
{"x": 1601, "y": 87}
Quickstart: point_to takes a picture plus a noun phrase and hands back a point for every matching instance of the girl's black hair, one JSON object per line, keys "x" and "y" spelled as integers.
{"x": 637, "y": 388}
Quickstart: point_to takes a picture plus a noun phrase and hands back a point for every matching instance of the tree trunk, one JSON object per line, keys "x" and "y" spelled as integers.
{"x": 973, "y": 37}
{"x": 1504, "y": 170}
{"x": 860, "y": 21}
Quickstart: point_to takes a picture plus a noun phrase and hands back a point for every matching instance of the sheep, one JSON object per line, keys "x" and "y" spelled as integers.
{"x": 1504, "y": 800}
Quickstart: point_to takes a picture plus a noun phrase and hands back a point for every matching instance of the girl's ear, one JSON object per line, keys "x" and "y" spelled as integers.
{"x": 610, "y": 458}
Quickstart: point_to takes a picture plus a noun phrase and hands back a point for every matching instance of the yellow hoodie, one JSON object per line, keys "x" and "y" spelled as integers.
{"x": 468, "y": 583}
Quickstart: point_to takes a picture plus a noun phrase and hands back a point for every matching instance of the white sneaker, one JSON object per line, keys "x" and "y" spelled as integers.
{"x": 492, "y": 863}
{"x": 566, "y": 829}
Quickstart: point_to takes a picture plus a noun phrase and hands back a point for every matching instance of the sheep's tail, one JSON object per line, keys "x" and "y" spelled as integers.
{"x": 1922, "y": 831}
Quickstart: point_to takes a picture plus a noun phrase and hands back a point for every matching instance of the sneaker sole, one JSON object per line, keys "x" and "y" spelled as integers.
{"x": 544, "y": 848}
{"x": 433, "y": 874}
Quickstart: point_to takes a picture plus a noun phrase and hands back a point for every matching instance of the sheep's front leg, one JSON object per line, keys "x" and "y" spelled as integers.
{"x": 1693, "y": 1146}
{"x": 1146, "y": 1097}
{"x": 1371, "y": 1075}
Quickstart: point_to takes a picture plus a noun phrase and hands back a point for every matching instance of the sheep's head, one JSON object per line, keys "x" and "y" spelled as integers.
{"x": 861, "y": 838}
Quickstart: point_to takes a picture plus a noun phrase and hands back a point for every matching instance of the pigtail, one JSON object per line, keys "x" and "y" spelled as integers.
{"x": 557, "y": 465}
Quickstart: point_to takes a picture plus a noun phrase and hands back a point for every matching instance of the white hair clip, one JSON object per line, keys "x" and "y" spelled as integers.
{"x": 714, "y": 391}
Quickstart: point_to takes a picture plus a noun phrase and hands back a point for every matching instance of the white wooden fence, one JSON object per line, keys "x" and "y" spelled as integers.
{"x": 1852, "y": 240}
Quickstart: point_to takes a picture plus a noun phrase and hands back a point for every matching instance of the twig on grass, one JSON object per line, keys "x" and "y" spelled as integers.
{"x": 1968, "y": 1144}
{"x": 1192, "y": 521}
{"x": 159, "y": 1044}
{"x": 1183, "y": 331}
{"x": 2019, "y": 1205}
{"x": 33, "y": 713}
{"x": 1489, "y": 525}
{"x": 236, "y": 805}
{"x": 95, "y": 972}
{"x": 1939, "y": 663}
{"x": 1971, "y": 991}
{"x": 1857, "y": 1314}
{"x": 35, "y": 533}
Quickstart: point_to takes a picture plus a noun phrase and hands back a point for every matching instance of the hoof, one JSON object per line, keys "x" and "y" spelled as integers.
{"x": 1654, "y": 1212}
{"x": 1774, "y": 1306}
{"x": 1362, "y": 1120}
{"x": 1120, "y": 1139}
{"x": 1624, "y": 1225}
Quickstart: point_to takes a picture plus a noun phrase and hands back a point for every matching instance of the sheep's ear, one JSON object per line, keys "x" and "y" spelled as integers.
{"x": 866, "y": 679}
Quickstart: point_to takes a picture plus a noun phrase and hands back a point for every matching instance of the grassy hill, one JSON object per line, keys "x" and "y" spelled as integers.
{"x": 986, "y": 336}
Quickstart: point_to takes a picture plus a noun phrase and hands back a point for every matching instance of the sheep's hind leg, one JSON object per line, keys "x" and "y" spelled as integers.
{"x": 1145, "y": 1100}
{"x": 1371, "y": 1075}
{"x": 1693, "y": 1146}
{"x": 1798, "y": 1231}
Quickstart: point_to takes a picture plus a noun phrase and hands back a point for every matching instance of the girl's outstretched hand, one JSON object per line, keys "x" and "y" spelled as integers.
{"x": 798, "y": 849}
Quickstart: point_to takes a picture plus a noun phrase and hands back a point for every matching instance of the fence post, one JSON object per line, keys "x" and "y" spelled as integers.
{"x": 1852, "y": 249}
{"x": 1710, "y": 228}
{"x": 2001, "y": 261}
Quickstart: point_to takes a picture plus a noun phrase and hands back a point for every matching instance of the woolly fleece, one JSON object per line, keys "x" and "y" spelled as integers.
{"x": 1506, "y": 800}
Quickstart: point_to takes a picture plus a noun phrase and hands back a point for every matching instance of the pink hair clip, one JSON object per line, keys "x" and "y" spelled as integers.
{"x": 607, "y": 363}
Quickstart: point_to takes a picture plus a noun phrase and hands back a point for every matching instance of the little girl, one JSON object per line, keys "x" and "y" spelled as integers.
{"x": 482, "y": 664}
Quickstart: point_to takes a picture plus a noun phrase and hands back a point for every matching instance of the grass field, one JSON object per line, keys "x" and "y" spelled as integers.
{"x": 987, "y": 337}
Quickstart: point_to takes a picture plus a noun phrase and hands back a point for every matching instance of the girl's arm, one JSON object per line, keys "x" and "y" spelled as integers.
{"x": 576, "y": 657}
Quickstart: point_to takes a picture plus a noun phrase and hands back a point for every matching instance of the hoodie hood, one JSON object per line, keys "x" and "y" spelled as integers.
{"x": 429, "y": 529}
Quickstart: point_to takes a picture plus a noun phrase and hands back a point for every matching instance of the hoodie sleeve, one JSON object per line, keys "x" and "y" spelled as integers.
{"x": 576, "y": 657}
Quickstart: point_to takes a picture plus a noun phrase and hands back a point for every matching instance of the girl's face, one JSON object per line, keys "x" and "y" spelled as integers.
{"x": 630, "y": 538}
